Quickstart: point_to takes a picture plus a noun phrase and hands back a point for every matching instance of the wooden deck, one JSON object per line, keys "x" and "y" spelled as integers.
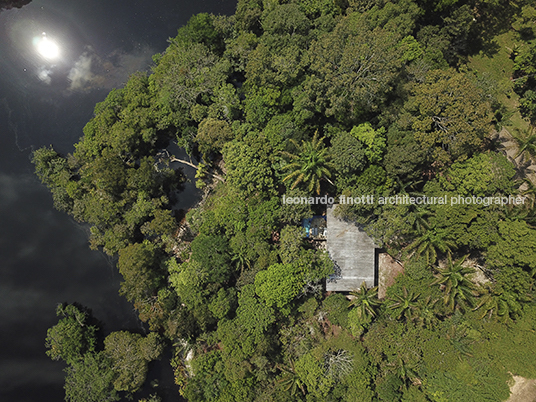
{"x": 353, "y": 253}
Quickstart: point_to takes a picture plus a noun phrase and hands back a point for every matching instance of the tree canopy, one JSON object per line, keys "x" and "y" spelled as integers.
{"x": 313, "y": 98}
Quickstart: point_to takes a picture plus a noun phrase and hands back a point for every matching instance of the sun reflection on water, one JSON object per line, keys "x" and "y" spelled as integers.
{"x": 46, "y": 47}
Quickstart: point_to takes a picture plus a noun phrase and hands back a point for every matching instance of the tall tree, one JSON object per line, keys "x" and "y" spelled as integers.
{"x": 309, "y": 165}
{"x": 405, "y": 304}
{"x": 73, "y": 336}
{"x": 138, "y": 263}
{"x": 458, "y": 289}
{"x": 129, "y": 354}
{"x": 352, "y": 70}
{"x": 90, "y": 380}
{"x": 365, "y": 302}
{"x": 451, "y": 116}
{"x": 430, "y": 243}
{"x": 289, "y": 379}
{"x": 498, "y": 303}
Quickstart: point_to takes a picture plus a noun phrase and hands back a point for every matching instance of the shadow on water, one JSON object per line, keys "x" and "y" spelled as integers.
{"x": 160, "y": 380}
{"x": 188, "y": 195}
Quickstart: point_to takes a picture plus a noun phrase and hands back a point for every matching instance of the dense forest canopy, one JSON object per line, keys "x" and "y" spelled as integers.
{"x": 304, "y": 98}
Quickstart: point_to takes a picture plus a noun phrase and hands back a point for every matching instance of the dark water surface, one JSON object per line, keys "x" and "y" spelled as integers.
{"x": 44, "y": 255}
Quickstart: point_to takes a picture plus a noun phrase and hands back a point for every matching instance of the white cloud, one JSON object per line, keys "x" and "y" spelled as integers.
{"x": 111, "y": 71}
{"x": 80, "y": 75}
{"x": 44, "y": 75}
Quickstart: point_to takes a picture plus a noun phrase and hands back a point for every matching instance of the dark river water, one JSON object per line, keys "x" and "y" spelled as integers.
{"x": 44, "y": 255}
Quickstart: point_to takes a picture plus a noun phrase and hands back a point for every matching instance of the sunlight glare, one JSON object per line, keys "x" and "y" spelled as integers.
{"x": 47, "y": 48}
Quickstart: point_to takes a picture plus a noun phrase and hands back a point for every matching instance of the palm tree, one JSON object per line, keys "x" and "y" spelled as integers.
{"x": 406, "y": 304}
{"x": 526, "y": 142}
{"x": 496, "y": 302}
{"x": 406, "y": 372}
{"x": 419, "y": 219}
{"x": 457, "y": 335}
{"x": 457, "y": 287}
{"x": 241, "y": 261}
{"x": 366, "y": 301}
{"x": 408, "y": 188}
{"x": 309, "y": 165}
{"x": 290, "y": 379}
{"x": 429, "y": 243}
{"x": 426, "y": 314}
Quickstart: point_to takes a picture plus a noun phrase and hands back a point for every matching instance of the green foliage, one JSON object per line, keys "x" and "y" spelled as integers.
{"x": 450, "y": 117}
{"x": 352, "y": 70}
{"x": 496, "y": 302}
{"x": 515, "y": 246}
{"x": 238, "y": 285}
{"x": 429, "y": 243}
{"x": 223, "y": 303}
{"x": 212, "y": 252}
{"x": 200, "y": 29}
{"x": 309, "y": 165}
{"x": 212, "y": 135}
{"x": 54, "y": 172}
{"x": 188, "y": 74}
{"x": 373, "y": 140}
{"x": 295, "y": 213}
{"x": 311, "y": 371}
{"x": 129, "y": 354}
{"x": 139, "y": 266}
{"x": 525, "y": 83}
{"x": 252, "y": 314}
{"x": 208, "y": 379}
{"x": 290, "y": 380}
{"x": 90, "y": 379}
{"x": 286, "y": 19}
{"x": 248, "y": 169}
{"x": 348, "y": 154}
{"x": 279, "y": 285}
{"x": 290, "y": 244}
{"x": 190, "y": 281}
{"x": 508, "y": 345}
{"x": 151, "y": 347}
{"x": 246, "y": 335}
{"x": 405, "y": 305}
{"x": 336, "y": 307}
{"x": 457, "y": 287}
{"x": 72, "y": 337}
{"x": 364, "y": 306}
{"x": 526, "y": 143}
{"x": 482, "y": 385}
{"x": 482, "y": 175}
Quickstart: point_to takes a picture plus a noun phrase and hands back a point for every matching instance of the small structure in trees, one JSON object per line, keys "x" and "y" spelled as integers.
{"x": 353, "y": 253}
{"x": 315, "y": 227}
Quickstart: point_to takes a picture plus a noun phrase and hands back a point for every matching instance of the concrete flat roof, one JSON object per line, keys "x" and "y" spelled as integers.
{"x": 353, "y": 253}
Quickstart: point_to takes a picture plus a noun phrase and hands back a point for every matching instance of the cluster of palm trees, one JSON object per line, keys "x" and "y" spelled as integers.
{"x": 310, "y": 165}
{"x": 459, "y": 293}
{"x": 408, "y": 306}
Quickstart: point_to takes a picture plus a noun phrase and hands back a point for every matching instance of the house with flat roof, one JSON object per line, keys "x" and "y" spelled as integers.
{"x": 353, "y": 253}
